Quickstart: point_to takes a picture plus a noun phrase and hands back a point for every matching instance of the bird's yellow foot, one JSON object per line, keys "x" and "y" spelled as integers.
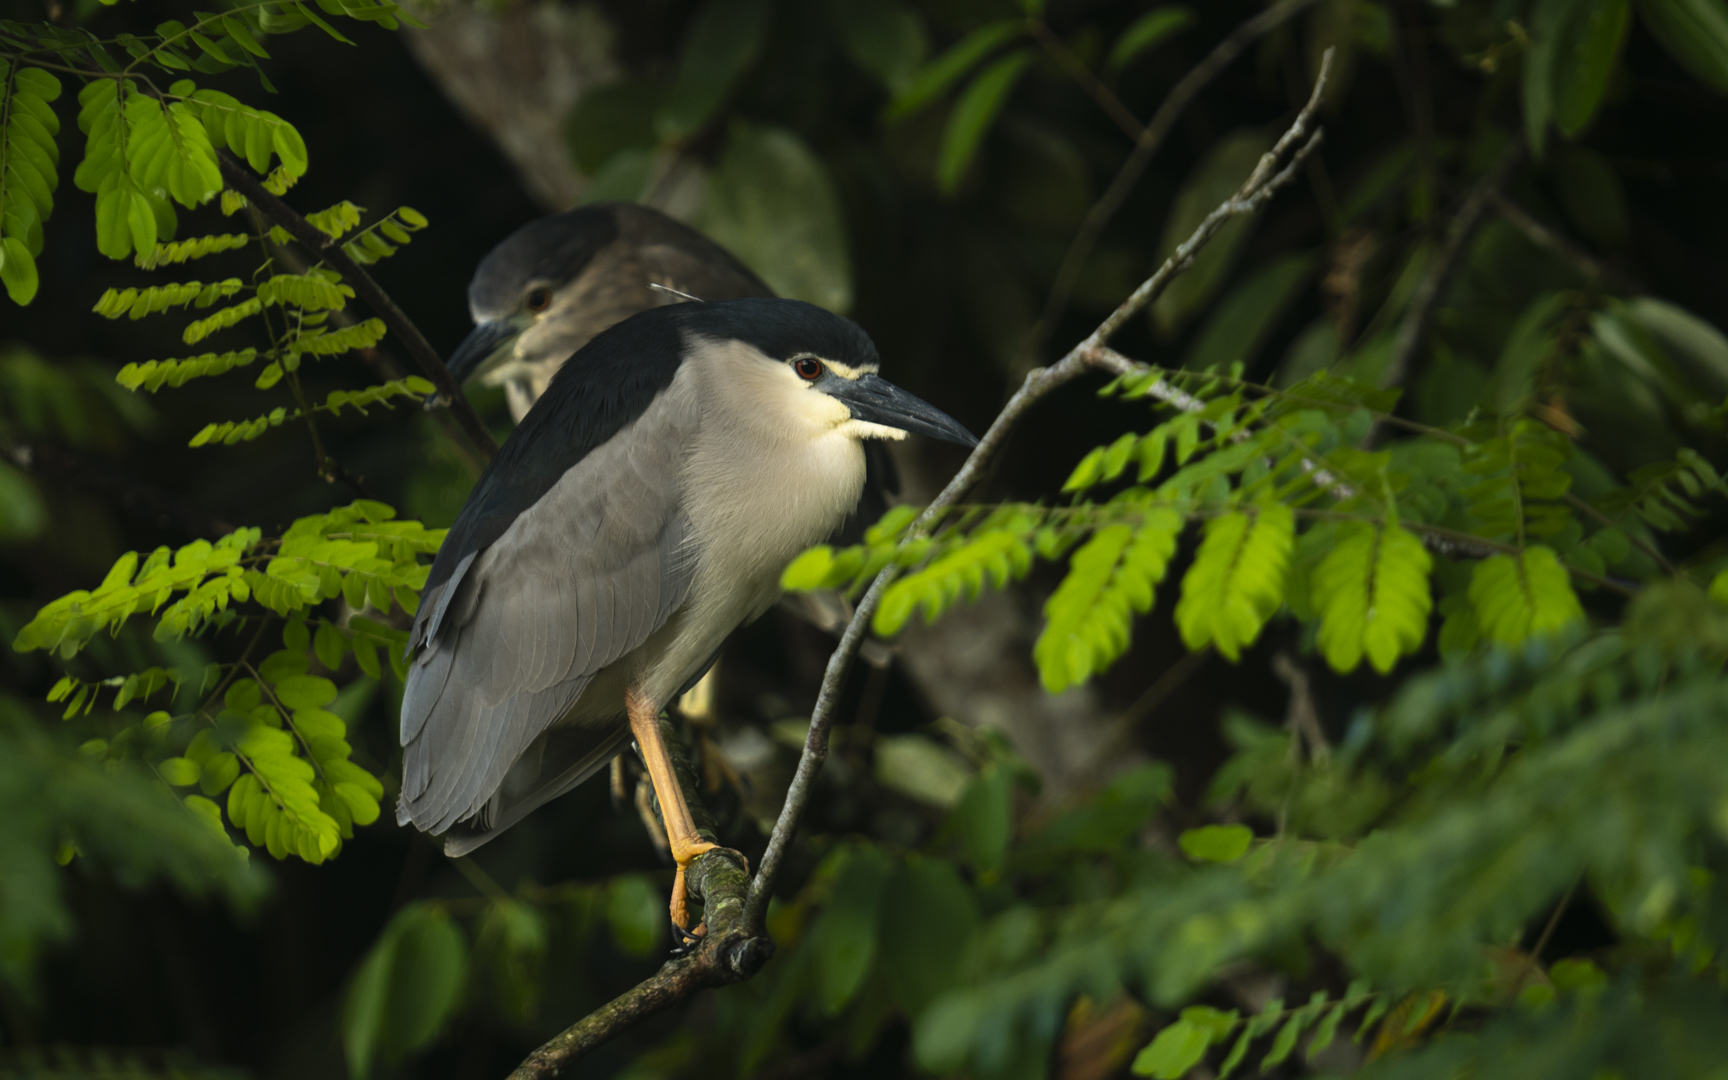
{"x": 683, "y": 854}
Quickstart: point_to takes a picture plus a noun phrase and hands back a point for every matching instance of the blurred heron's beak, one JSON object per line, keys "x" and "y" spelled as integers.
{"x": 486, "y": 346}
{"x": 875, "y": 400}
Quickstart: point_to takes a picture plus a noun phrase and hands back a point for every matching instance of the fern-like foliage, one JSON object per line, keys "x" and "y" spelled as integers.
{"x": 154, "y": 299}
{"x": 1663, "y": 494}
{"x": 29, "y": 162}
{"x": 355, "y": 551}
{"x": 153, "y": 375}
{"x": 1516, "y": 597}
{"x": 269, "y": 739}
{"x": 1371, "y": 591}
{"x": 1523, "y": 480}
{"x": 1237, "y": 580}
{"x": 197, "y": 247}
{"x": 1180, "y": 1046}
{"x": 1000, "y": 554}
{"x": 1113, "y": 578}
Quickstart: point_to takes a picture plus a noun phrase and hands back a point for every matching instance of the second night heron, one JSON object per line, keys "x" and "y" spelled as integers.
{"x": 643, "y": 509}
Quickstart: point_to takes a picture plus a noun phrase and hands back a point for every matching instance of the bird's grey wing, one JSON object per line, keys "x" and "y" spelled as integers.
{"x": 568, "y": 757}
{"x": 578, "y": 580}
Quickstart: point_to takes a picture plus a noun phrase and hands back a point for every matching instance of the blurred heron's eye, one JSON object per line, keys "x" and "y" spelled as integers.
{"x": 539, "y": 300}
{"x": 807, "y": 369}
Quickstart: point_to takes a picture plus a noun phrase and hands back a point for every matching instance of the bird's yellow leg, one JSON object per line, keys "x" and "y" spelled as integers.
{"x": 681, "y": 833}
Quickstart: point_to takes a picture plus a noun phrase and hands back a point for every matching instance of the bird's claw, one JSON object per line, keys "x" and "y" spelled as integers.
{"x": 688, "y": 940}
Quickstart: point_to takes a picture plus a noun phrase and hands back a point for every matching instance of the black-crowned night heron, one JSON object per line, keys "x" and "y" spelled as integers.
{"x": 551, "y": 285}
{"x": 643, "y": 509}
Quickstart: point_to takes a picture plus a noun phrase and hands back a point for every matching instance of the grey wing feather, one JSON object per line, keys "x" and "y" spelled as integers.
{"x": 579, "y": 580}
{"x": 570, "y": 756}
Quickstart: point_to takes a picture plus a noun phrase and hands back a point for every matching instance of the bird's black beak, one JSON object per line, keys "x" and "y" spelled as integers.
{"x": 875, "y": 400}
{"x": 483, "y": 346}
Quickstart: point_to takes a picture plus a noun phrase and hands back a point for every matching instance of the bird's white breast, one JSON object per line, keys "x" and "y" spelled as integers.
{"x": 774, "y": 468}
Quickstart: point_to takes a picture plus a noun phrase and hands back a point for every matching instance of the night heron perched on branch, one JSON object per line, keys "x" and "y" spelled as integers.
{"x": 551, "y": 285}
{"x": 643, "y": 509}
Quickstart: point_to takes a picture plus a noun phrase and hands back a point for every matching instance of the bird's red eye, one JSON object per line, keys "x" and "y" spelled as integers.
{"x": 539, "y": 300}
{"x": 807, "y": 369}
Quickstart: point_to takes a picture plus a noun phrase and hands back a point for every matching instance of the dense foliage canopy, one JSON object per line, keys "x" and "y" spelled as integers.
{"x": 1389, "y": 555}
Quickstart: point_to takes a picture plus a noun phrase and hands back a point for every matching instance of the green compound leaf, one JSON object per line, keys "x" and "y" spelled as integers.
{"x": 29, "y": 161}
{"x": 1110, "y": 580}
{"x": 1371, "y": 593}
{"x": 1518, "y": 597}
{"x": 1237, "y": 580}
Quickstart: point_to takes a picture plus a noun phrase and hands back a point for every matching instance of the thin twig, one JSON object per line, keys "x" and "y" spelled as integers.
{"x": 1420, "y": 315}
{"x": 1119, "y": 737}
{"x": 240, "y": 179}
{"x": 1081, "y": 74}
{"x": 736, "y": 944}
{"x": 1303, "y": 716}
{"x": 1534, "y": 957}
{"x": 388, "y": 369}
{"x": 1542, "y": 236}
{"x": 1152, "y": 136}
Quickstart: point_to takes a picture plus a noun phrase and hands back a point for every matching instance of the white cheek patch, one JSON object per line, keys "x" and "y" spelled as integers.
{"x": 864, "y": 429}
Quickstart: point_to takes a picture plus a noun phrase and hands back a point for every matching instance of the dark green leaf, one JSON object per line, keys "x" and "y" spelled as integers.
{"x": 720, "y": 44}
{"x": 972, "y": 116}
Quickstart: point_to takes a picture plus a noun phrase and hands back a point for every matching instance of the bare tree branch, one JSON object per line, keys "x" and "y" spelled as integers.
{"x": 1544, "y": 237}
{"x": 241, "y": 179}
{"x": 736, "y": 944}
{"x": 1151, "y": 137}
{"x": 1420, "y": 315}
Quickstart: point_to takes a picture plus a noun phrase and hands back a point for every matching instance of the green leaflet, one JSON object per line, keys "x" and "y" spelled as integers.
{"x": 29, "y": 160}
{"x": 994, "y": 556}
{"x": 381, "y": 239}
{"x": 1147, "y": 32}
{"x": 1180, "y": 1046}
{"x": 935, "y": 78}
{"x": 1573, "y": 49}
{"x": 1518, "y": 597}
{"x": 1110, "y": 579}
{"x": 720, "y": 44}
{"x": 1695, "y": 32}
{"x": 406, "y": 989}
{"x": 1237, "y": 580}
{"x": 973, "y": 114}
{"x": 1371, "y": 593}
